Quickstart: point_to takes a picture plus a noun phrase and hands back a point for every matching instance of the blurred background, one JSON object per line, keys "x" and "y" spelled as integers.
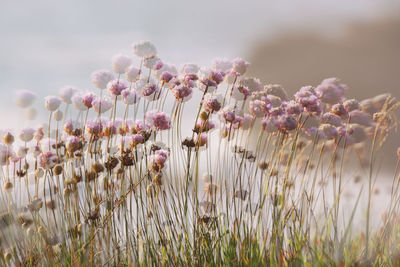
{"x": 48, "y": 44}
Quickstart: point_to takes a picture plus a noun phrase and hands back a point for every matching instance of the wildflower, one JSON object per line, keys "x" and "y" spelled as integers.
{"x": 132, "y": 74}
{"x": 8, "y": 138}
{"x": 360, "y": 117}
{"x": 240, "y": 65}
{"x": 316, "y": 133}
{"x": 339, "y": 110}
{"x": 57, "y": 169}
{"x": 212, "y": 103}
{"x": 222, "y": 64}
{"x": 166, "y": 76}
{"x": 285, "y": 123}
{"x": 276, "y": 90}
{"x": 87, "y": 99}
{"x": 94, "y": 127}
{"x": 30, "y": 113}
{"x": 246, "y": 122}
{"x": 115, "y": 87}
{"x": 307, "y": 97}
{"x": 351, "y": 104}
{"x": 77, "y": 102}
{"x": 6, "y": 153}
{"x": 58, "y": 115}
{"x": 73, "y": 144}
{"x": 150, "y": 89}
{"x": 136, "y": 139}
{"x": 104, "y": 102}
{"x": 120, "y": 62}
{"x": 190, "y": 68}
{"x": 206, "y": 81}
{"x": 231, "y": 77}
{"x": 201, "y": 139}
{"x": 22, "y": 151}
{"x": 26, "y": 134}
{"x": 228, "y": 113}
{"x": 329, "y": 131}
{"x": 101, "y": 78}
{"x": 293, "y": 108}
{"x": 144, "y": 49}
{"x": 24, "y": 98}
{"x": 153, "y": 63}
{"x": 240, "y": 92}
{"x": 331, "y": 91}
{"x": 331, "y": 118}
{"x": 182, "y": 92}
{"x": 52, "y": 103}
{"x": 130, "y": 96}
{"x": 257, "y": 108}
{"x": 268, "y": 124}
{"x": 161, "y": 121}
{"x": 67, "y": 92}
{"x": 47, "y": 160}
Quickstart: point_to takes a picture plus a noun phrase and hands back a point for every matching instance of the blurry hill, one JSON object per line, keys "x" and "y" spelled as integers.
{"x": 365, "y": 56}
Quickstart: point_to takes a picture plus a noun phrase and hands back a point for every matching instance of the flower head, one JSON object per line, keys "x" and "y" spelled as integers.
{"x": 66, "y": 93}
{"x": 132, "y": 74}
{"x": 52, "y": 103}
{"x": 24, "y": 98}
{"x": 144, "y": 49}
{"x": 101, "y": 78}
{"x": 120, "y": 62}
{"x": 115, "y": 87}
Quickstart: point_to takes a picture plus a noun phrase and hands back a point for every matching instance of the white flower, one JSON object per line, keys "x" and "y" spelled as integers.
{"x": 22, "y": 151}
{"x": 46, "y": 144}
{"x": 24, "y": 98}
{"x": 144, "y": 49}
{"x": 130, "y": 96}
{"x": 120, "y": 62}
{"x": 189, "y": 68}
{"x": 31, "y": 113}
{"x": 222, "y": 64}
{"x": 100, "y": 78}
{"x": 132, "y": 73}
{"x": 77, "y": 101}
{"x": 58, "y": 115}
{"x": 52, "y": 103}
{"x": 26, "y": 134}
{"x": 67, "y": 92}
{"x": 105, "y": 103}
{"x": 240, "y": 65}
{"x": 5, "y": 153}
{"x": 151, "y": 62}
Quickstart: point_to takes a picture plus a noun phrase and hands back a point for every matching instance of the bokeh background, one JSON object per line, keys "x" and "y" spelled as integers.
{"x": 47, "y": 44}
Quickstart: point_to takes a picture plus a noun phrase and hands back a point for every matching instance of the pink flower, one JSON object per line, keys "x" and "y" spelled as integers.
{"x": 130, "y": 96}
{"x": 100, "y": 78}
{"x": 212, "y": 103}
{"x": 87, "y": 99}
{"x": 161, "y": 121}
{"x": 47, "y": 160}
{"x": 116, "y": 87}
{"x": 240, "y": 65}
{"x": 331, "y": 91}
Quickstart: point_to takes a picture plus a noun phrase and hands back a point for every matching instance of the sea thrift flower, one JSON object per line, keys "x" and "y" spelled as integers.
{"x": 30, "y": 113}
{"x": 182, "y": 92}
{"x": 52, "y": 103}
{"x": 293, "y": 108}
{"x": 257, "y": 108}
{"x": 329, "y": 131}
{"x": 130, "y": 96}
{"x": 190, "y": 68}
{"x": 240, "y": 65}
{"x": 339, "y": 110}
{"x": 132, "y": 74}
{"x": 286, "y": 123}
{"x": 47, "y": 160}
{"x": 66, "y": 93}
{"x": 276, "y": 90}
{"x": 154, "y": 63}
{"x": 268, "y": 124}
{"x": 240, "y": 92}
{"x": 144, "y": 49}
{"x": 360, "y": 117}
{"x": 87, "y": 99}
{"x": 331, "y": 91}
{"x": 136, "y": 139}
{"x": 231, "y": 77}
{"x": 150, "y": 89}
{"x": 120, "y": 62}
{"x": 331, "y": 118}
{"x": 24, "y": 98}
{"x": 201, "y": 139}
{"x": 166, "y": 76}
{"x": 228, "y": 113}
{"x": 307, "y": 97}
{"x": 161, "y": 121}
{"x": 246, "y": 122}
{"x": 115, "y": 87}
{"x": 212, "y": 103}
{"x": 58, "y": 115}
{"x": 94, "y": 127}
{"x": 26, "y": 134}
{"x": 351, "y": 104}
{"x": 206, "y": 81}
{"x": 73, "y": 144}
{"x": 315, "y": 133}
{"x": 222, "y": 64}
{"x": 105, "y": 103}
{"x": 101, "y": 78}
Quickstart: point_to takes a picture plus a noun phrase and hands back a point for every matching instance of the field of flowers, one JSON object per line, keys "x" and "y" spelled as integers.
{"x": 196, "y": 166}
